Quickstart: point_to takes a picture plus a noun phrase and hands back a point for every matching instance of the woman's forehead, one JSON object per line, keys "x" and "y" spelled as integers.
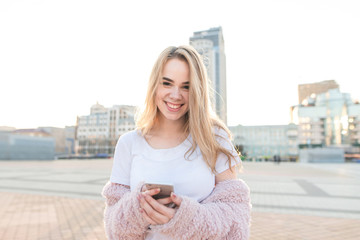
{"x": 176, "y": 70}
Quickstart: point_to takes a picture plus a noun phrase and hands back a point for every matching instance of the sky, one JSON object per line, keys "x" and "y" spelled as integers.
{"x": 58, "y": 58}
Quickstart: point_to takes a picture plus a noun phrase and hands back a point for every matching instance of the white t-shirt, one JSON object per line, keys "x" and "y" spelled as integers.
{"x": 136, "y": 161}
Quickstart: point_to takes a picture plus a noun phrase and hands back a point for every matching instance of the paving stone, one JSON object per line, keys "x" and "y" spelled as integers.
{"x": 61, "y": 200}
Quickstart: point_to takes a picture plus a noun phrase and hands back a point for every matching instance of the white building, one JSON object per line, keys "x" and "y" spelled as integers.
{"x": 98, "y": 132}
{"x": 354, "y": 124}
{"x": 263, "y": 142}
{"x": 210, "y": 44}
{"x": 328, "y": 119}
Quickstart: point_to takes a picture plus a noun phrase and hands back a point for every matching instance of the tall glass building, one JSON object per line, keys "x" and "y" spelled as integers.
{"x": 210, "y": 44}
{"x": 328, "y": 119}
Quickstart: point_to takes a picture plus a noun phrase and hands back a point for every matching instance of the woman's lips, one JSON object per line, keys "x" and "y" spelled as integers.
{"x": 173, "y": 107}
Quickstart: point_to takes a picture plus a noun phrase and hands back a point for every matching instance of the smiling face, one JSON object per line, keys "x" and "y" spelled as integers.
{"x": 172, "y": 93}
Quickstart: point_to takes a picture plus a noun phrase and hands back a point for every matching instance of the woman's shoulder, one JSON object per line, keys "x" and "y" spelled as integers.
{"x": 221, "y": 133}
{"x": 130, "y": 137}
{"x": 224, "y": 138}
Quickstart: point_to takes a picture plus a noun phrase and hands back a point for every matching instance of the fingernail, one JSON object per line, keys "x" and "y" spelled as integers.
{"x": 173, "y": 194}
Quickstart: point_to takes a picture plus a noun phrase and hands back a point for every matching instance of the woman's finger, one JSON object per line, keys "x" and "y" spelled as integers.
{"x": 147, "y": 218}
{"x": 143, "y": 203}
{"x": 164, "y": 200}
{"x": 176, "y": 199}
{"x": 152, "y": 192}
{"x": 154, "y": 210}
{"x": 150, "y": 211}
{"x": 160, "y": 209}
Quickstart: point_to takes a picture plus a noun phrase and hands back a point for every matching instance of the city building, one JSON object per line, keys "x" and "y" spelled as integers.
{"x": 305, "y": 90}
{"x": 354, "y": 124}
{"x": 210, "y": 44}
{"x": 263, "y": 142}
{"x": 64, "y": 139}
{"x": 6, "y": 129}
{"x": 26, "y": 144}
{"x": 321, "y": 155}
{"x": 33, "y": 132}
{"x": 324, "y": 120}
{"x": 98, "y": 132}
{"x": 329, "y": 120}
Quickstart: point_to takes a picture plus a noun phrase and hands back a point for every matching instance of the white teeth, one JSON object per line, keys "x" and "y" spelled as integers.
{"x": 174, "y": 106}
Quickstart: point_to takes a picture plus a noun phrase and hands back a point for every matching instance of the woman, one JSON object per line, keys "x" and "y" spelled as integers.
{"x": 178, "y": 141}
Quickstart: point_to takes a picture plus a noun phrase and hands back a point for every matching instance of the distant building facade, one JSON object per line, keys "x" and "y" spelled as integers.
{"x": 328, "y": 119}
{"x": 305, "y": 90}
{"x": 266, "y": 141}
{"x": 6, "y": 129}
{"x": 33, "y": 145}
{"x": 98, "y": 132}
{"x": 321, "y": 155}
{"x": 354, "y": 124}
{"x": 33, "y": 132}
{"x": 210, "y": 44}
{"x": 64, "y": 139}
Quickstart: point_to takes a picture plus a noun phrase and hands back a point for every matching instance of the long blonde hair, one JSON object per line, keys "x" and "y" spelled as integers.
{"x": 200, "y": 119}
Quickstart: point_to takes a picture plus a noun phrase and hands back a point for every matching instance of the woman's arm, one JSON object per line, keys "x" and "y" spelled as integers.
{"x": 122, "y": 217}
{"x": 225, "y": 214}
{"x": 226, "y": 175}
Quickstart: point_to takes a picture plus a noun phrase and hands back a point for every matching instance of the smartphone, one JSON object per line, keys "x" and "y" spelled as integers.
{"x": 165, "y": 189}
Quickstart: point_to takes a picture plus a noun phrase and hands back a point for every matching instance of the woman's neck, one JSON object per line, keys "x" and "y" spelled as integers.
{"x": 165, "y": 127}
{"x": 166, "y": 134}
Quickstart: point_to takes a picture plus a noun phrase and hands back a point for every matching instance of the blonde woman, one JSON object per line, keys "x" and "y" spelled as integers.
{"x": 178, "y": 141}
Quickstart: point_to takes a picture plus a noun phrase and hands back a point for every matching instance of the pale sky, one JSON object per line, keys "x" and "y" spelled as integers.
{"x": 58, "y": 58}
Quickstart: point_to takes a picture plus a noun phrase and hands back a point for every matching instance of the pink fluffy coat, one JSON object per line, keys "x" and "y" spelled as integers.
{"x": 225, "y": 214}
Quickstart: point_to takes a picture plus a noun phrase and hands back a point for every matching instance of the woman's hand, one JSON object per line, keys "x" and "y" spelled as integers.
{"x": 154, "y": 211}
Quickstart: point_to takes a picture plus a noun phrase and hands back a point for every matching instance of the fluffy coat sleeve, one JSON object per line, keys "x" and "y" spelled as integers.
{"x": 225, "y": 214}
{"x": 122, "y": 217}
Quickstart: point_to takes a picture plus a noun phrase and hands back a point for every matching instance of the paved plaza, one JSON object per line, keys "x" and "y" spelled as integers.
{"x": 61, "y": 200}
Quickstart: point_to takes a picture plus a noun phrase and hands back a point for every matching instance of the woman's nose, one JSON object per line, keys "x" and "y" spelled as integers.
{"x": 175, "y": 93}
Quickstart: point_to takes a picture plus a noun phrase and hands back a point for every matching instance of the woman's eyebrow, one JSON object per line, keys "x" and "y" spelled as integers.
{"x": 170, "y": 80}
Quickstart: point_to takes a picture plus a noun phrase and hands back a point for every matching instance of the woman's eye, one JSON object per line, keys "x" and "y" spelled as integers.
{"x": 186, "y": 87}
{"x": 166, "y": 83}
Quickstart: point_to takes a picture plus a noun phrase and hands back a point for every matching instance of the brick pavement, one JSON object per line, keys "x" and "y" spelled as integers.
{"x": 60, "y": 200}
{"x": 39, "y": 217}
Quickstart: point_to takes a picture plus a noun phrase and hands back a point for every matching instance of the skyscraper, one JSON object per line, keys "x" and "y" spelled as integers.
{"x": 210, "y": 44}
